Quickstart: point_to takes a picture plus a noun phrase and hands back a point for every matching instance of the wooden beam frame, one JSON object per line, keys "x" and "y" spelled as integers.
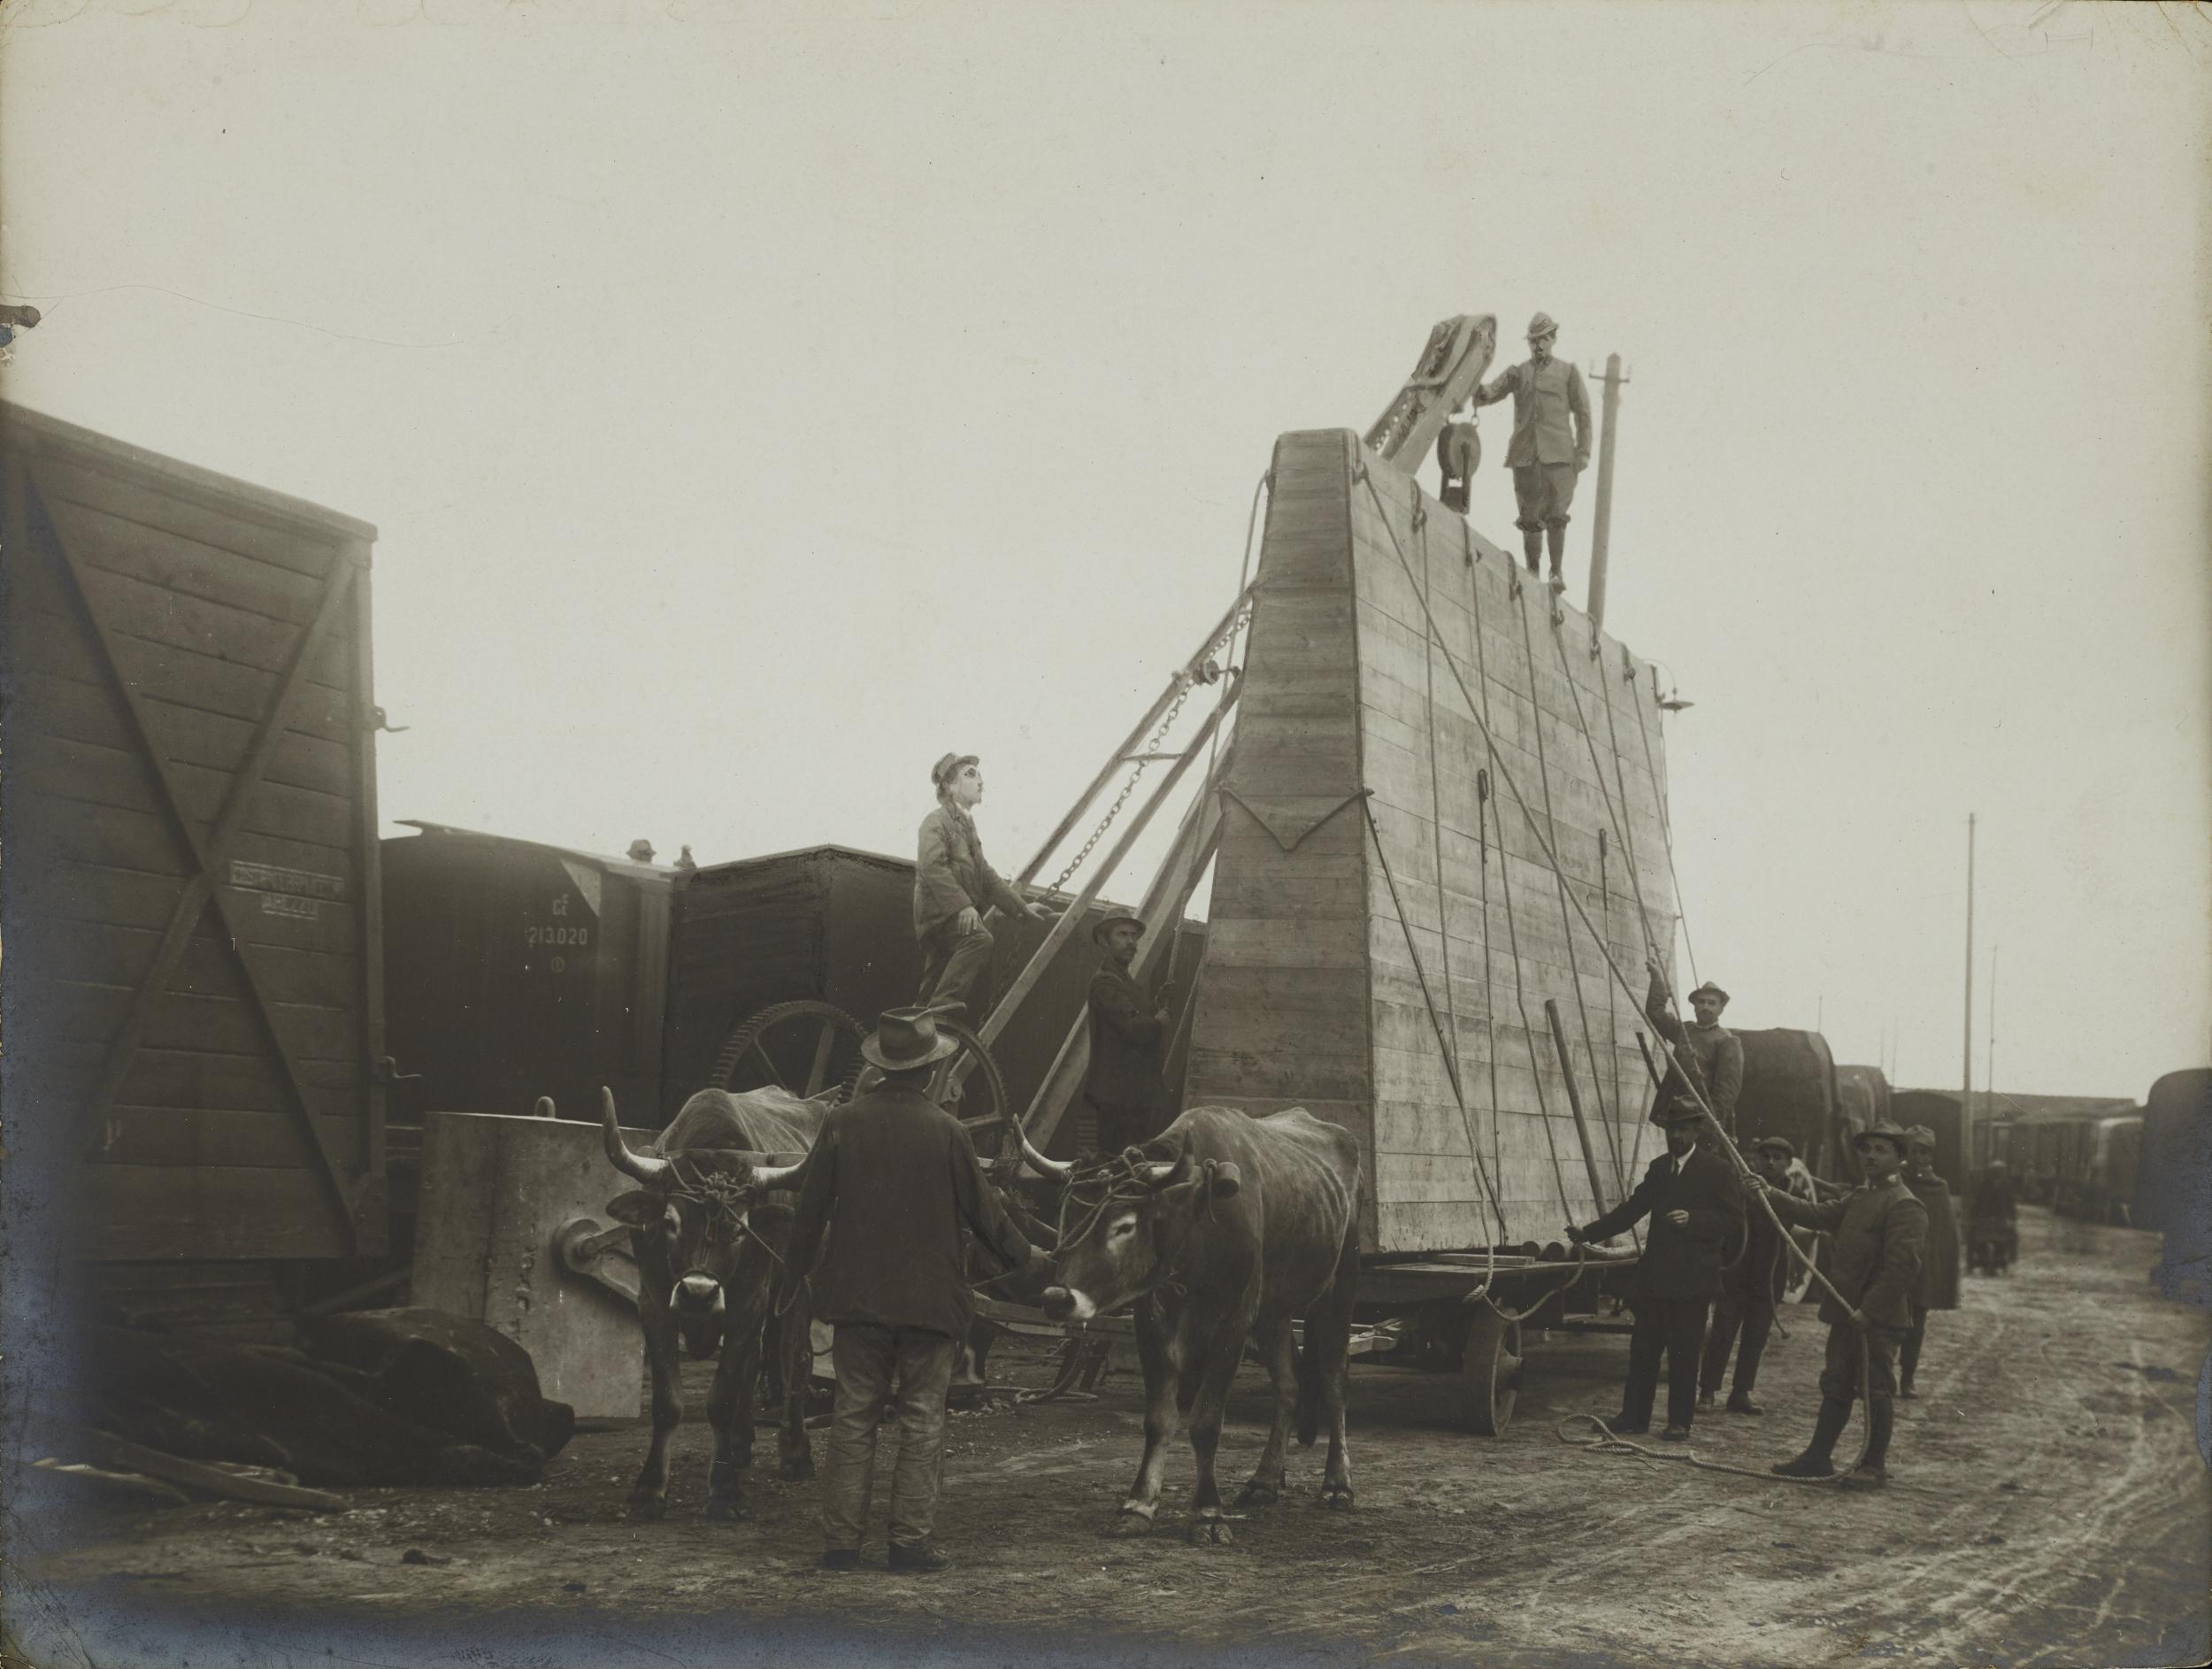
{"x": 203, "y": 887}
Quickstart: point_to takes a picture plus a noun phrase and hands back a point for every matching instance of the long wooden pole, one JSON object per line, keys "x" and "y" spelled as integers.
{"x": 1574, "y": 1101}
{"x": 1601, "y": 526}
{"x": 1120, "y": 756}
{"x": 1966, "y": 1086}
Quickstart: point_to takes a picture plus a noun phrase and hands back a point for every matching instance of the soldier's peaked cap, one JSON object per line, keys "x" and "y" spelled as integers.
{"x": 1542, "y": 324}
{"x": 1891, "y": 1133}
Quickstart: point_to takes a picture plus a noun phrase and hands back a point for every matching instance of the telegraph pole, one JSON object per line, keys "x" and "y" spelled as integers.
{"x": 1609, "y": 424}
{"x": 1989, "y": 1072}
{"x": 1966, "y": 1088}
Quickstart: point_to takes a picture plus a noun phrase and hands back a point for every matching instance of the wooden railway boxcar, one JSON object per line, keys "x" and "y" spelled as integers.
{"x": 195, "y": 1002}
{"x": 836, "y": 925}
{"x": 517, "y": 970}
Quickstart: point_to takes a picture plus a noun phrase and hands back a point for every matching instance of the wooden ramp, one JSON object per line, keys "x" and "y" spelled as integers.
{"x": 1385, "y": 924}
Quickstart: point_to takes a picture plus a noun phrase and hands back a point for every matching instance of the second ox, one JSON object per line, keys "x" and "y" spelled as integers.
{"x": 709, "y": 1244}
{"x": 1222, "y": 1227}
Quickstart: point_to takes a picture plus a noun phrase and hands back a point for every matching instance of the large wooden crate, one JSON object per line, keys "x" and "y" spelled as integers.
{"x": 1391, "y": 977}
{"x": 193, "y": 997}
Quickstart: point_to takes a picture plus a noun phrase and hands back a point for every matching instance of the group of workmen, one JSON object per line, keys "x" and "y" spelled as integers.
{"x": 1717, "y": 1261}
{"x": 894, "y": 1187}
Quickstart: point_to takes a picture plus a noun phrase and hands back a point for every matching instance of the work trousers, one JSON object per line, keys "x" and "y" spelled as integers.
{"x": 1120, "y": 1128}
{"x": 1909, "y": 1353}
{"x": 867, "y": 1357}
{"x": 1754, "y": 1314}
{"x": 954, "y": 968}
{"x": 1839, "y": 1376}
{"x": 1675, "y": 1329}
{"x": 1542, "y": 493}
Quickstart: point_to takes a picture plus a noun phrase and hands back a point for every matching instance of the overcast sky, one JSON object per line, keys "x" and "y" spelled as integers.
{"x": 755, "y": 401}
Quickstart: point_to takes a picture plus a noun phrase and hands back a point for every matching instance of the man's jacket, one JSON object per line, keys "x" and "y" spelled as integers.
{"x": 1713, "y": 1053}
{"x": 1940, "y": 1263}
{"x": 893, "y": 1178}
{"x": 1128, "y": 1043}
{"x": 1880, "y": 1232}
{"x": 1683, "y": 1262}
{"x": 1551, "y": 412}
{"x": 949, "y": 874}
{"x": 1764, "y": 1269}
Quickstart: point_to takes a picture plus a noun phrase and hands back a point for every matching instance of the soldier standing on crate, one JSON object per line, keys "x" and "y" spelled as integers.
{"x": 1938, "y": 1287}
{"x": 1881, "y": 1231}
{"x": 954, "y": 887}
{"x": 1551, "y": 442}
{"x": 1122, "y": 1086}
{"x": 1710, "y": 1048}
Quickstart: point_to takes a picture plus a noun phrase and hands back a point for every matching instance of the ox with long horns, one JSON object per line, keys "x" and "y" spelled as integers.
{"x": 1223, "y": 1227}
{"x": 710, "y": 1245}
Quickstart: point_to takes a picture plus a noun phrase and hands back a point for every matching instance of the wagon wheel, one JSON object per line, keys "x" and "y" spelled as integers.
{"x": 982, "y": 1108}
{"x": 806, "y": 1047}
{"x": 1490, "y": 1373}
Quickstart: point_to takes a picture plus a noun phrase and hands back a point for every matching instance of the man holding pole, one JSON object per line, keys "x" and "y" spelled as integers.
{"x": 1880, "y": 1232}
{"x": 1750, "y": 1289}
{"x": 1122, "y": 1084}
{"x": 1706, "y": 1046}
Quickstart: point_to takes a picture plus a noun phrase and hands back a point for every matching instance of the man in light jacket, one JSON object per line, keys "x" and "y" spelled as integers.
{"x": 1551, "y": 442}
{"x": 954, "y": 887}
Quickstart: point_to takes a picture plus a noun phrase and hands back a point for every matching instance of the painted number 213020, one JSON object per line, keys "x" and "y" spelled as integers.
{"x": 534, "y": 936}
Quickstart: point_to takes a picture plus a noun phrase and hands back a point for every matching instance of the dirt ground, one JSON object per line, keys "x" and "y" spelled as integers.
{"x": 2049, "y": 1506}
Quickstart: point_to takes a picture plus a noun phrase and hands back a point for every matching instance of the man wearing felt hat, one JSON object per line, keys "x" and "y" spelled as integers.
{"x": 1551, "y": 442}
{"x": 1750, "y": 1287}
{"x": 1938, "y": 1287}
{"x": 894, "y": 1180}
{"x": 1122, "y": 1084}
{"x": 1881, "y": 1231}
{"x": 954, "y": 888}
{"x": 1692, "y": 1197}
{"x": 1710, "y": 1050}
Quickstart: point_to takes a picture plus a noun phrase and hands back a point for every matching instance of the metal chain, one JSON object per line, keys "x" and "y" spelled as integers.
{"x": 1202, "y": 671}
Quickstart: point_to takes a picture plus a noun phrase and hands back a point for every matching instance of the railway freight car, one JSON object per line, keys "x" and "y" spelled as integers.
{"x": 2173, "y": 1182}
{"x": 195, "y": 1009}
{"x": 770, "y": 939}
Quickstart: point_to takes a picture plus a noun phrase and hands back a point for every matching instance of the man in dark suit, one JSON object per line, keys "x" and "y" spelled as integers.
{"x": 1751, "y": 1287}
{"x": 893, "y": 1179}
{"x": 1128, "y": 1043}
{"x": 1694, "y": 1203}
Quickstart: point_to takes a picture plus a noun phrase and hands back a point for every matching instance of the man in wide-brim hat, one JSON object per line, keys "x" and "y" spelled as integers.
{"x": 1712, "y": 1053}
{"x": 1881, "y": 1233}
{"x": 1122, "y": 1084}
{"x": 1938, "y": 1286}
{"x": 893, "y": 1178}
{"x": 1691, "y": 1195}
{"x": 1551, "y": 442}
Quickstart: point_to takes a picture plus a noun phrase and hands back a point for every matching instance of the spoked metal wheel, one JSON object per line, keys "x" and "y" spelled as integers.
{"x": 1490, "y": 1373}
{"x": 969, "y": 1085}
{"x": 807, "y": 1046}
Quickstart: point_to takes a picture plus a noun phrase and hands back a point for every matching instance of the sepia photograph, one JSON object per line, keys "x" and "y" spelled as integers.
{"x": 1330, "y": 834}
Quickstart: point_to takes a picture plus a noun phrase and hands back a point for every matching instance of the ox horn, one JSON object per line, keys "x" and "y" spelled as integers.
{"x": 643, "y": 1167}
{"x": 766, "y": 1176}
{"x": 1058, "y": 1170}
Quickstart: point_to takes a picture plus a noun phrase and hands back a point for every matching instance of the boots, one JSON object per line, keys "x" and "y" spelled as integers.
{"x": 1815, "y": 1462}
{"x": 1532, "y": 548}
{"x": 1556, "y": 537}
{"x": 1873, "y": 1472}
